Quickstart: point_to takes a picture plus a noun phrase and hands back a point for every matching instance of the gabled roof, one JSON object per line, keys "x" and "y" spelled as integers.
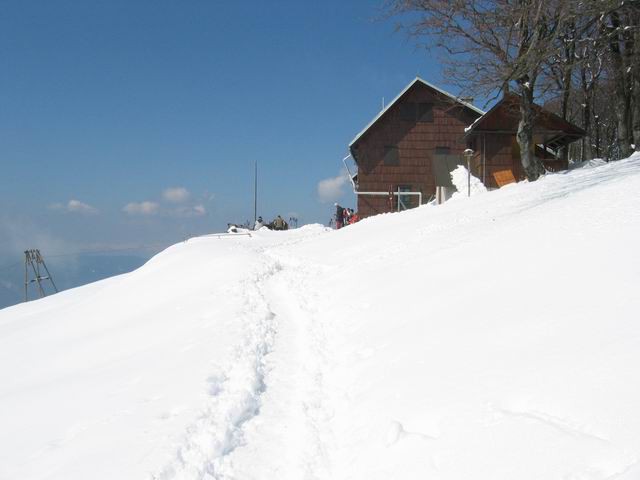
{"x": 504, "y": 115}
{"x": 406, "y": 89}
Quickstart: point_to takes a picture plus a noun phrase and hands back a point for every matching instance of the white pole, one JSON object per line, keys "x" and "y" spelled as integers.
{"x": 468, "y": 176}
{"x": 468, "y": 153}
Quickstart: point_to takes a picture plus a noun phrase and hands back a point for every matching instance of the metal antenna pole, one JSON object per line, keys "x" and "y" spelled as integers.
{"x": 255, "y": 191}
{"x": 34, "y": 258}
{"x": 39, "y": 279}
{"x": 49, "y": 275}
{"x": 35, "y": 272}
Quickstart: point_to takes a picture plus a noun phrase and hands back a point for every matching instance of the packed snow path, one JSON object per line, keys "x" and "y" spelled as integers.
{"x": 275, "y": 317}
{"x": 494, "y": 337}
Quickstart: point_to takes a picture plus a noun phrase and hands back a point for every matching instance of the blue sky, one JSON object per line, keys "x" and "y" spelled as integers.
{"x": 135, "y": 122}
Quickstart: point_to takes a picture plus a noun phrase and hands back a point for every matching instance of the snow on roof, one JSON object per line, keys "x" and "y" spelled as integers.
{"x": 470, "y": 127}
{"x": 413, "y": 82}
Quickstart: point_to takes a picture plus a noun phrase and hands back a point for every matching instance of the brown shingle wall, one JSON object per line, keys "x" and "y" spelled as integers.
{"x": 500, "y": 154}
{"x": 416, "y": 144}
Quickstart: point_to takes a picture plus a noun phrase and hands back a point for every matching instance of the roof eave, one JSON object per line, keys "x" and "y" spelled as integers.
{"x": 411, "y": 84}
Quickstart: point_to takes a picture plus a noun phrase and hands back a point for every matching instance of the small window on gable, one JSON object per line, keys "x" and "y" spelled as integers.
{"x": 443, "y": 151}
{"x": 391, "y": 155}
{"x": 425, "y": 112}
{"x": 407, "y": 111}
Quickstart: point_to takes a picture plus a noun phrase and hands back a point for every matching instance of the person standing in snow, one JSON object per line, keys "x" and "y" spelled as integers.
{"x": 278, "y": 223}
{"x": 339, "y": 216}
{"x": 346, "y": 216}
{"x": 259, "y": 224}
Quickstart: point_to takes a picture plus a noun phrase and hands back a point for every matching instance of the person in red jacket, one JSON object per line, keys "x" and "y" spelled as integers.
{"x": 345, "y": 217}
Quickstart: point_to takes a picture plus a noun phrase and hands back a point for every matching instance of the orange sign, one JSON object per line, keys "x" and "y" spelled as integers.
{"x": 504, "y": 177}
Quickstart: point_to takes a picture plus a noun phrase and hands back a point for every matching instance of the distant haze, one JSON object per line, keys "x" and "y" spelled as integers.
{"x": 69, "y": 272}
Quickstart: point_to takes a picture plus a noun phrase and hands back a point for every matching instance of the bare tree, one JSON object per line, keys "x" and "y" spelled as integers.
{"x": 590, "y": 68}
{"x": 571, "y": 50}
{"x": 618, "y": 52}
{"x": 620, "y": 34}
{"x": 599, "y": 75}
{"x": 634, "y": 33}
{"x": 605, "y": 122}
{"x": 493, "y": 46}
{"x": 559, "y": 70}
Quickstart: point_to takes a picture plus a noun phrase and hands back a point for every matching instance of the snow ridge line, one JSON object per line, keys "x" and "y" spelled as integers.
{"x": 235, "y": 393}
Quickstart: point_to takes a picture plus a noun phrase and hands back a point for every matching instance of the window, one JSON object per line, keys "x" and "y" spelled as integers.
{"x": 416, "y": 112}
{"x": 408, "y": 111}
{"x": 391, "y": 155}
{"x": 404, "y": 201}
{"x": 443, "y": 150}
{"x": 425, "y": 112}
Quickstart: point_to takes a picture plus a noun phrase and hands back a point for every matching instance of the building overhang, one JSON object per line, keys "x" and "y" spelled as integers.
{"x": 502, "y": 119}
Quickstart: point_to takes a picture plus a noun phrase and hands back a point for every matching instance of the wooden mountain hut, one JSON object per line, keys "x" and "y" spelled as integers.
{"x": 406, "y": 153}
{"x": 496, "y": 158}
{"x": 403, "y": 151}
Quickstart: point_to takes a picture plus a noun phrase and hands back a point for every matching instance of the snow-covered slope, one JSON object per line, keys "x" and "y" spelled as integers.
{"x": 493, "y": 337}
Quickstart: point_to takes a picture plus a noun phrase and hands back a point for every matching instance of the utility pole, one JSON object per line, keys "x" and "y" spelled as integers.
{"x": 255, "y": 191}
{"x": 33, "y": 259}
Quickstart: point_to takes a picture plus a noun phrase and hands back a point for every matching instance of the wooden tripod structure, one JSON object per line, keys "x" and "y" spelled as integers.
{"x": 33, "y": 259}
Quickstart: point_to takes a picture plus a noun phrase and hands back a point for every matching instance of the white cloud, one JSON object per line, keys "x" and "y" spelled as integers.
{"x": 176, "y": 194}
{"x": 199, "y": 209}
{"x": 190, "y": 211}
{"x": 331, "y": 189}
{"x": 80, "y": 207}
{"x": 142, "y": 208}
{"x": 74, "y": 206}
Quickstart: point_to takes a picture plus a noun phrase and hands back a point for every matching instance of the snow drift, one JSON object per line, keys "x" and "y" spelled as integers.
{"x": 466, "y": 185}
{"x": 493, "y": 337}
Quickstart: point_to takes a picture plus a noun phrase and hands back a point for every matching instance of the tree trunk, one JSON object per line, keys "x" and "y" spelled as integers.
{"x": 567, "y": 72}
{"x": 635, "y": 79}
{"x": 622, "y": 116}
{"x": 597, "y": 122}
{"x": 531, "y": 165}
{"x": 636, "y": 110}
{"x": 586, "y": 115}
{"x": 621, "y": 100}
{"x": 566, "y": 94}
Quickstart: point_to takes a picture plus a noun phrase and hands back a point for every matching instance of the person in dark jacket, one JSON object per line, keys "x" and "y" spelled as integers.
{"x": 278, "y": 223}
{"x": 339, "y": 216}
